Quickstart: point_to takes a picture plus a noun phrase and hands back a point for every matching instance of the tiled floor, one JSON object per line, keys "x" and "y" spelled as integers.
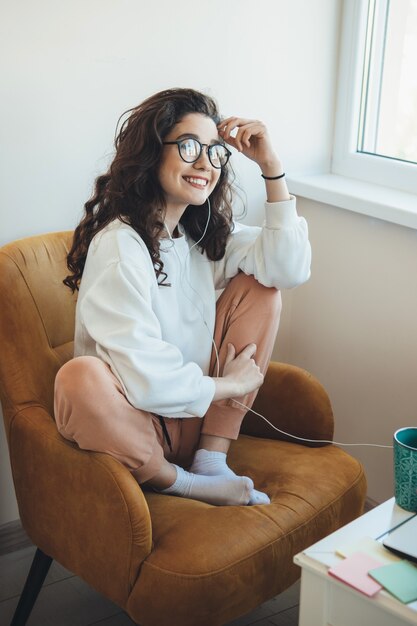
{"x": 65, "y": 600}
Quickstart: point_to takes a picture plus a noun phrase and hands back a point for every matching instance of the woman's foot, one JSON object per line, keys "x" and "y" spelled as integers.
{"x": 213, "y": 463}
{"x": 218, "y": 490}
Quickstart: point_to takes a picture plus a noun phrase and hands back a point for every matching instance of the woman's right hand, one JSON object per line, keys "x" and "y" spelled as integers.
{"x": 241, "y": 375}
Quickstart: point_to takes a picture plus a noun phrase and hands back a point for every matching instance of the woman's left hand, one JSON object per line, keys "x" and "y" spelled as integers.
{"x": 252, "y": 139}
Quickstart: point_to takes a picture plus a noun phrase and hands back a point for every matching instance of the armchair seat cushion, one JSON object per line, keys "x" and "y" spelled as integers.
{"x": 203, "y": 554}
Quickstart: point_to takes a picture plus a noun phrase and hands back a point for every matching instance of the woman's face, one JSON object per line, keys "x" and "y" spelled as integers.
{"x": 188, "y": 183}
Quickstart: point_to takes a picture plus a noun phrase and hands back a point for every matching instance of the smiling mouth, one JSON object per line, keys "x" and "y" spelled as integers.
{"x": 196, "y": 182}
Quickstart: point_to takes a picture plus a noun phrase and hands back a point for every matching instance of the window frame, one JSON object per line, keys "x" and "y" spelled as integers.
{"x": 346, "y": 160}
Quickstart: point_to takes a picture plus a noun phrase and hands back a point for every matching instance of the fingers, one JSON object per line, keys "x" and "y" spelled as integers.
{"x": 230, "y": 354}
{"x": 241, "y": 371}
{"x": 227, "y": 125}
{"x": 245, "y": 130}
{"x": 249, "y": 351}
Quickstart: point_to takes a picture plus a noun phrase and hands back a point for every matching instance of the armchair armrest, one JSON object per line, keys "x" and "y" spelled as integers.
{"x": 82, "y": 508}
{"x": 294, "y": 401}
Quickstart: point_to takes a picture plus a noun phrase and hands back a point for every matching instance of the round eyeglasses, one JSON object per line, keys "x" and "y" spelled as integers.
{"x": 190, "y": 151}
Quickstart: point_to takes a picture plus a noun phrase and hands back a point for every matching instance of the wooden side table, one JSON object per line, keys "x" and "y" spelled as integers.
{"x": 325, "y": 601}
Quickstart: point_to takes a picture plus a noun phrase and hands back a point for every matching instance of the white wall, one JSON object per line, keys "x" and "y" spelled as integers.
{"x": 69, "y": 69}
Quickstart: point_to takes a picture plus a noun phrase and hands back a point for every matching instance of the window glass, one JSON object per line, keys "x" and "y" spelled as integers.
{"x": 388, "y": 113}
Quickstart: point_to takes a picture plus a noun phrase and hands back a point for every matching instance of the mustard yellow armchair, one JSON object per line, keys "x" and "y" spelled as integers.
{"x": 164, "y": 560}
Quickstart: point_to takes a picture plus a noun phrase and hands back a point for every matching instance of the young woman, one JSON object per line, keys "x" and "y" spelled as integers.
{"x": 158, "y": 362}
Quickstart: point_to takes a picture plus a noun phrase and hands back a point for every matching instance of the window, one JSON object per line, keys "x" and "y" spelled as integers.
{"x": 376, "y": 122}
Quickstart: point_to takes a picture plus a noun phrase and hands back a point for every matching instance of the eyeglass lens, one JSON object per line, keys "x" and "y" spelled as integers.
{"x": 190, "y": 150}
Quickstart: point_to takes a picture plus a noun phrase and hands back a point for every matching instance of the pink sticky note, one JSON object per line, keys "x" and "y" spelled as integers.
{"x": 354, "y": 572}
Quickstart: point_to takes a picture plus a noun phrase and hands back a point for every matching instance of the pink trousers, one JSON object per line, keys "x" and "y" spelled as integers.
{"x": 92, "y": 410}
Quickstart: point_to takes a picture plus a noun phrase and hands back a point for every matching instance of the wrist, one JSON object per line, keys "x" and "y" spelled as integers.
{"x": 272, "y": 167}
{"x": 225, "y": 388}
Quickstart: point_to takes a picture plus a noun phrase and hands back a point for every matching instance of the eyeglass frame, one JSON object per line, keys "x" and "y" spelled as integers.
{"x": 178, "y": 143}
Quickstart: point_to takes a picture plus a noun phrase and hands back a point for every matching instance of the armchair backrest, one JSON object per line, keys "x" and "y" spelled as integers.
{"x": 37, "y": 314}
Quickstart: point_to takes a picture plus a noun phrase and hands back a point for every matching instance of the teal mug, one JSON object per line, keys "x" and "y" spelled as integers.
{"x": 405, "y": 468}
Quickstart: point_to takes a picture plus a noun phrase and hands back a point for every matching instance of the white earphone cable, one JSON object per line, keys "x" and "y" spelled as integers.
{"x": 336, "y": 443}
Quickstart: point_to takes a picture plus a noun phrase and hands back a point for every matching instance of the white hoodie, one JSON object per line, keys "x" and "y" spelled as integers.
{"x": 158, "y": 339}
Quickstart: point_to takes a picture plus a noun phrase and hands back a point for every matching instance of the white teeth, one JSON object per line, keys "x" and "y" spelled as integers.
{"x": 197, "y": 181}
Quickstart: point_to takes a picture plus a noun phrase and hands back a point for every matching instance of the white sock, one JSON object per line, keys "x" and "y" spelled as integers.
{"x": 213, "y": 463}
{"x": 218, "y": 490}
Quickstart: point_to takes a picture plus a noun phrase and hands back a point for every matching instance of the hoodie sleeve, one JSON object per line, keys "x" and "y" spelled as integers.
{"x": 278, "y": 254}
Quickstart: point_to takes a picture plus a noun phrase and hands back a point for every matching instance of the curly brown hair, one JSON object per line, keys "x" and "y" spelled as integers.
{"x": 131, "y": 192}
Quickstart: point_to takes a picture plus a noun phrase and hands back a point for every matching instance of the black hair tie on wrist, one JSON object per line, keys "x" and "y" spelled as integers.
{"x": 273, "y": 177}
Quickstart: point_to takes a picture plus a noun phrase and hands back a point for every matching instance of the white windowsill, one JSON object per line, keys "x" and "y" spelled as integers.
{"x": 354, "y": 195}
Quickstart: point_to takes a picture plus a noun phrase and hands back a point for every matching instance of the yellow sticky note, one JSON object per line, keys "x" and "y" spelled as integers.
{"x": 371, "y": 547}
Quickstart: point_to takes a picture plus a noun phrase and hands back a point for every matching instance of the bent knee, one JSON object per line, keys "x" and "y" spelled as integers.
{"x": 262, "y": 296}
{"x": 78, "y": 372}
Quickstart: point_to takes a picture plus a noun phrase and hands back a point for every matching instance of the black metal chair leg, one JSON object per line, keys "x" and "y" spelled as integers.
{"x": 37, "y": 574}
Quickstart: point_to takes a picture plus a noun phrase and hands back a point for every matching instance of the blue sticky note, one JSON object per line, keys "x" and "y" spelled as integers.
{"x": 400, "y": 579}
